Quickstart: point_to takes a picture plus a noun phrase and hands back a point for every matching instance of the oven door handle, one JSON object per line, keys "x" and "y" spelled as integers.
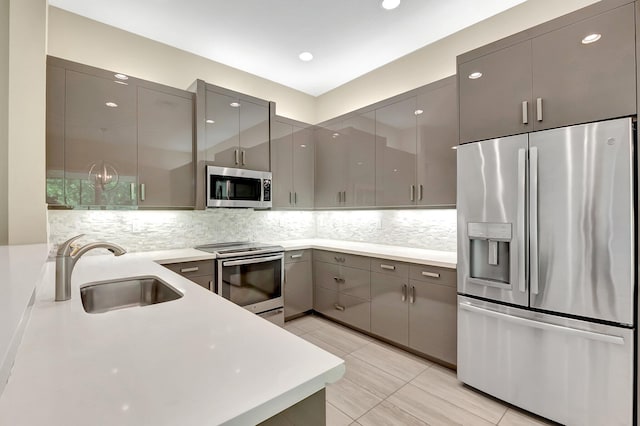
{"x": 252, "y": 260}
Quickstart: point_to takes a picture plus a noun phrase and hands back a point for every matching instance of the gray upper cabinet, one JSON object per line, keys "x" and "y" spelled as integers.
{"x": 550, "y": 76}
{"x": 236, "y": 130}
{"x": 498, "y": 102}
{"x": 578, "y": 83}
{"x": 437, "y": 122}
{"x": 165, "y": 148}
{"x": 292, "y": 165}
{"x": 330, "y": 163}
{"x": 116, "y": 142}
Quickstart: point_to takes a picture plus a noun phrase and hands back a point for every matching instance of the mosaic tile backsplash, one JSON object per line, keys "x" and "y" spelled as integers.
{"x": 161, "y": 230}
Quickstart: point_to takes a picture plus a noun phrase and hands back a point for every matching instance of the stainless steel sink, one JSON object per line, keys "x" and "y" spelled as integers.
{"x": 108, "y": 296}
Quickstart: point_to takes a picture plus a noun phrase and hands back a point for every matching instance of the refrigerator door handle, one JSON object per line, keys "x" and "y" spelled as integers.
{"x": 520, "y": 231}
{"x": 533, "y": 219}
{"x": 607, "y": 338}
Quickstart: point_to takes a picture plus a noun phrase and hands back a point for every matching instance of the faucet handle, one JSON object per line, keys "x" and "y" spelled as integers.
{"x": 65, "y": 248}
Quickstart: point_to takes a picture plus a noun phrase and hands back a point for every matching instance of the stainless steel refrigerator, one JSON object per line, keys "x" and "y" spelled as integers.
{"x": 546, "y": 271}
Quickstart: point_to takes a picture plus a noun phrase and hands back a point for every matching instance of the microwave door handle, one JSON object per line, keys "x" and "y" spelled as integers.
{"x": 251, "y": 261}
{"x": 228, "y": 189}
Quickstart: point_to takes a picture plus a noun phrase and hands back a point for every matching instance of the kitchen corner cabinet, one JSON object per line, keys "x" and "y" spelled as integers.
{"x": 551, "y": 79}
{"x": 200, "y": 272}
{"x": 113, "y": 143}
{"x": 298, "y": 283}
{"x": 292, "y": 165}
{"x": 345, "y": 163}
{"x": 236, "y": 129}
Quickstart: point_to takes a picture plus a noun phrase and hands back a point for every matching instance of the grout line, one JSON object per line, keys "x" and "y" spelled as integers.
{"x": 352, "y": 419}
{"x": 502, "y": 417}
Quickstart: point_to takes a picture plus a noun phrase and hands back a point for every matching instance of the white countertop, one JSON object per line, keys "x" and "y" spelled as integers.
{"x": 192, "y": 361}
{"x": 443, "y": 259}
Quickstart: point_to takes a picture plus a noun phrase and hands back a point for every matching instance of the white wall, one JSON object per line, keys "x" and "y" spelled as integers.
{"x": 25, "y": 141}
{"x": 437, "y": 60}
{"x": 79, "y": 39}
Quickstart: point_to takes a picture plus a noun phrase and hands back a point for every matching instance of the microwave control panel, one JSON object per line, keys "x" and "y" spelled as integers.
{"x": 266, "y": 190}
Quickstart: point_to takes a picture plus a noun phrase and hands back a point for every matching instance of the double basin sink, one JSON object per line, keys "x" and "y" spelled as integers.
{"x": 124, "y": 293}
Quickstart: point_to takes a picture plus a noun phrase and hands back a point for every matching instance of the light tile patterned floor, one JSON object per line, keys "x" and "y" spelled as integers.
{"x": 384, "y": 385}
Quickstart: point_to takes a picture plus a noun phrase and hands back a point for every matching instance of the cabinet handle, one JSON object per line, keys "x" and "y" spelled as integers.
{"x": 525, "y": 112}
{"x": 389, "y": 267}
{"x": 237, "y": 154}
{"x": 431, "y": 274}
{"x": 296, "y": 256}
{"x": 210, "y": 285}
{"x": 132, "y": 190}
{"x": 344, "y": 196}
{"x": 338, "y": 307}
{"x": 192, "y": 269}
{"x": 420, "y": 190}
{"x": 539, "y": 109}
{"x": 295, "y": 198}
{"x": 289, "y": 197}
{"x": 339, "y": 197}
{"x": 244, "y": 155}
{"x": 404, "y": 292}
{"x": 412, "y": 191}
{"x": 338, "y": 279}
{"x": 143, "y": 192}
{"x": 412, "y": 295}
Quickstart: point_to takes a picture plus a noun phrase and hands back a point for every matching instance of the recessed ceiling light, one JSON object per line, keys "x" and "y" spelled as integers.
{"x": 475, "y": 75}
{"x": 591, "y": 38}
{"x": 209, "y": 121}
{"x": 121, "y": 77}
{"x": 305, "y": 56}
{"x": 111, "y": 104}
{"x": 303, "y": 146}
{"x": 390, "y": 4}
{"x": 120, "y": 82}
{"x": 335, "y": 135}
{"x": 418, "y": 112}
{"x": 234, "y": 105}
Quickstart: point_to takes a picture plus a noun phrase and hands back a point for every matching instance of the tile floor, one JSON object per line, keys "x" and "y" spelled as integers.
{"x": 384, "y": 385}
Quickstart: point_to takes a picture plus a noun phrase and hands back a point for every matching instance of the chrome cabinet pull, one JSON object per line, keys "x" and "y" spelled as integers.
{"x": 525, "y": 112}
{"x": 244, "y": 155}
{"x": 420, "y": 190}
{"x": 533, "y": 219}
{"x": 296, "y": 256}
{"x": 344, "y": 196}
{"x": 338, "y": 279}
{"x": 404, "y": 292}
{"x": 520, "y": 231}
{"x": 143, "y": 192}
{"x": 339, "y": 197}
{"x": 412, "y": 295}
{"x": 388, "y": 267}
{"x": 412, "y": 191}
{"x": 430, "y": 274}
{"x": 192, "y": 269}
{"x": 290, "y": 198}
{"x": 295, "y": 198}
{"x": 338, "y": 307}
{"x": 237, "y": 155}
{"x": 539, "y": 109}
{"x": 132, "y": 190}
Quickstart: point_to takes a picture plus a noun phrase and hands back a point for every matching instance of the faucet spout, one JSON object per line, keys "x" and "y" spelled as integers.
{"x": 66, "y": 260}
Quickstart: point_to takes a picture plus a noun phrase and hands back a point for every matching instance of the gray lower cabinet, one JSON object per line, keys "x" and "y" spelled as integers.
{"x": 348, "y": 309}
{"x": 389, "y": 307}
{"x": 298, "y": 283}
{"x": 200, "y": 272}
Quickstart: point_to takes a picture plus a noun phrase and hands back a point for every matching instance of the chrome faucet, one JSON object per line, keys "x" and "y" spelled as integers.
{"x": 68, "y": 256}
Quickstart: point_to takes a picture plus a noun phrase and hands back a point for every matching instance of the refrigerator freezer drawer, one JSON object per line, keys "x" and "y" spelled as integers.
{"x": 573, "y": 372}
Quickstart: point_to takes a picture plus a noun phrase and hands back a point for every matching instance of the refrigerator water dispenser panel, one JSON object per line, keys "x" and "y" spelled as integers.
{"x": 489, "y": 259}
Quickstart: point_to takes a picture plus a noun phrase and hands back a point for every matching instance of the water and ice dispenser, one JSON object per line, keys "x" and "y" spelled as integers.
{"x": 489, "y": 253}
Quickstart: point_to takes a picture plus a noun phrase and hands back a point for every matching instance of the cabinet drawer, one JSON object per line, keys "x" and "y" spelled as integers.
{"x": 351, "y": 281}
{"x": 390, "y": 267}
{"x": 205, "y": 281}
{"x": 351, "y": 260}
{"x": 297, "y": 256}
{"x": 193, "y": 269}
{"x": 348, "y": 309}
{"x": 433, "y": 274}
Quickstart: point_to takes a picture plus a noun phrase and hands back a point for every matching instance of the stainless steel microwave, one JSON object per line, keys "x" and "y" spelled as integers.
{"x": 228, "y": 187}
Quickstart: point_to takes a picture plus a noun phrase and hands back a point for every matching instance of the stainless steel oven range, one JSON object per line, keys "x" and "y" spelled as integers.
{"x": 250, "y": 275}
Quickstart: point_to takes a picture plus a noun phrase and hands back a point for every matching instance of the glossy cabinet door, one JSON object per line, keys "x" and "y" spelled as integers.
{"x": 55, "y": 189}
{"x": 492, "y": 105}
{"x": 165, "y": 149}
{"x": 100, "y": 141}
{"x": 433, "y": 319}
{"x": 348, "y": 309}
{"x": 222, "y": 144}
{"x": 330, "y": 163}
{"x": 396, "y": 154}
{"x": 282, "y": 164}
{"x": 303, "y": 167}
{"x": 580, "y": 83}
{"x": 389, "y": 307}
{"x": 359, "y": 140}
{"x": 254, "y": 135}
{"x": 437, "y": 134}
{"x": 298, "y": 288}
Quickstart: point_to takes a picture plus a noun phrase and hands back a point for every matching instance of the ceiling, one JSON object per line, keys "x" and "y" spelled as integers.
{"x": 347, "y": 38}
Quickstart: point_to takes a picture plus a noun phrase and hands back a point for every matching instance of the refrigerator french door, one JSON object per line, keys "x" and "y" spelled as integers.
{"x": 546, "y": 237}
